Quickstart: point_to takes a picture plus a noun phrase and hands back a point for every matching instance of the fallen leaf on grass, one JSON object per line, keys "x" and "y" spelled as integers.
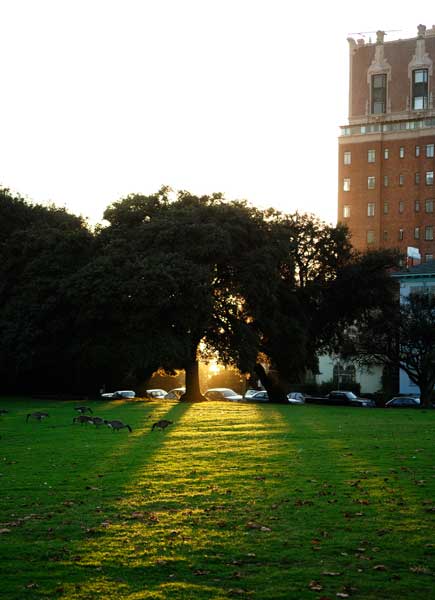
{"x": 420, "y": 570}
{"x": 200, "y": 572}
{"x": 4, "y": 530}
{"x": 304, "y": 503}
{"x": 331, "y": 573}
{"x": 253, "y": 525}
{"x": 315, "y": 586}
{"x": 379, "y": 568}
{"x": 342, "y": 595}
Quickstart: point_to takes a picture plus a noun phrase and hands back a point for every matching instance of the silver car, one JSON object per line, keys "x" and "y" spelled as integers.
{"x": 223, "y": 394}
{"x": 119, "y": 394}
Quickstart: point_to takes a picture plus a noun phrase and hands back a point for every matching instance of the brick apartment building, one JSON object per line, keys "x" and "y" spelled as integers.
{"x": 386, "y": 152}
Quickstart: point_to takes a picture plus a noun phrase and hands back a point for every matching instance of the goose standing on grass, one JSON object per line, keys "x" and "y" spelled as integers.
{"x": 162, "y": 424}
{"x": 97, "y": 421}
{"x": 39, "y": 416}
{"x": 83, "y": 409}
{"x": 117, "y": 425}
{"x": 82, "y": 419}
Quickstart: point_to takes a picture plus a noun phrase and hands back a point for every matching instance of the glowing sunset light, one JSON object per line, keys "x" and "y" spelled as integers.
{"x": 102, "y": 99}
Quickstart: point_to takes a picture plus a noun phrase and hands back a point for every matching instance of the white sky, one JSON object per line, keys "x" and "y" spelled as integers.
{"x": 102, "y": 98}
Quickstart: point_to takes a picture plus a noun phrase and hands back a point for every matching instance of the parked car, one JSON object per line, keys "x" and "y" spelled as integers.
{"x": 403, "y": 402}
{"x": 222, "y": 394}
{"x": 260, "y": 396}
{"x": 342, "y": 398}
{"x": 250, "y": 393}
{"x": 158, "y": 394}
{"x": 119, "y": 394}
{"x": 296, "y": 398}
{"x": 175, "y": 394}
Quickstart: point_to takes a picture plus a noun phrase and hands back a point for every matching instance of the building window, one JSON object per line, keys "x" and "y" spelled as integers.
{"x": 428, "y": 233}
{"x": 428, "y": 257}
{"x": 416, "y": 233}
{"x": 429, "y": 150}
{"x": 346, "y": 211}
{"x": 379, "y": 93}
{"x": 401, "y": 206}
{"x": 346, "y": 184}
{"x": 428, "y": 206}
{"x": 347, "y": 158}
{"x": 417, "y": 178}
{"x": 386, "y": 208}
{"x": 385, "y": 180}
{"x": 371, "y": 156}
{"x": 386, "y": 153}
{"x": 385, "y": 236}
{"x": 417, "y": 206}
{"x": 370, "y": 237}
{"x": 371, "y": 182}
{"x": 401, "y": 152}
{"x": 371, "y": 209}
{"x": 429, "y": 177}
{"x": 417, "y": 151}
{"x": 419, "y": 89}
{"x": 342, "y": 375}
{"x": 400, "y": 234}
{"x": 401, "y": 179}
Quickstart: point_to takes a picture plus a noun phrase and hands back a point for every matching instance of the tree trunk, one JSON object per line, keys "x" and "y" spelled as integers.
{"x": 193, "y": 392}
{"x": 274, "y": 390}
{"x": 426, "y": 394}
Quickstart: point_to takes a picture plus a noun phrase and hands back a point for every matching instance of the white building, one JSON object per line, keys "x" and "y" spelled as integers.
{"x": 415, "y": 279}
{"x": 333, "y": 368}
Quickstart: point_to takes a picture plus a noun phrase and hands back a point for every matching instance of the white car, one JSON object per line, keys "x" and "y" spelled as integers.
{"x": 119, "y": 394}
{"x": 157, "y": 393}
{"x": 296, "y": 398}
{"x": 175, "y": 394}
{"x": 250, "y": 393}
{"x": 223, "y": 394}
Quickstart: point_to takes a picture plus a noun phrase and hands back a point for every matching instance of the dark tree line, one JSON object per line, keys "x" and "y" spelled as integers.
{"x": 167, "y": 280}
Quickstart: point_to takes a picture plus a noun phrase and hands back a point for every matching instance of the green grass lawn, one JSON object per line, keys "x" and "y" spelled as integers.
{"x": 231, "y": 501}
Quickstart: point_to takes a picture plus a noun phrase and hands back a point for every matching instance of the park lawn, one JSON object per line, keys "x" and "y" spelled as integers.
{"x": 231, "y": 501}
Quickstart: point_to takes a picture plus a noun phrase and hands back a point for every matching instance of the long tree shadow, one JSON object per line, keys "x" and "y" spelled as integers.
{"x": 185, "y": 517}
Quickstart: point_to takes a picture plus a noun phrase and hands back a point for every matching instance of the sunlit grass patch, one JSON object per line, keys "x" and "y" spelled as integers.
{"x": 231, "y": 500}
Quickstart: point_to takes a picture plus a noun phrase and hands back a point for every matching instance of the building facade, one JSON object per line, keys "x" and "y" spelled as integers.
{"x": 387, "y": 149}
{"x": 421, "y": 279}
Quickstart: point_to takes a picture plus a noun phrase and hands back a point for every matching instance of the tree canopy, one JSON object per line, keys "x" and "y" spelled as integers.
{"x": 401, "y": 336}
{"x": 168, "y": 279}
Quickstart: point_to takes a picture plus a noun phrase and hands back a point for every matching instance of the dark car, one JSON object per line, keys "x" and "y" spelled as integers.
{"x": 345, "y": 398}
{"x": 260, "y": 396}
{"x": 403, "y": 402}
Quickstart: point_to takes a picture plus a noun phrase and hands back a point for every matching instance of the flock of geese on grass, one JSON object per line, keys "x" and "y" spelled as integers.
{"x": 82, "y": 418}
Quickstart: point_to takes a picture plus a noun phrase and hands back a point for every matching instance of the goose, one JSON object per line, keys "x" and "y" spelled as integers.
{"x": 117, "y": 425}
{"x": 37, "y": 415}
{"x": 161, "y": 424}
{"x": 97, "y": 421}
{"x": 83, "y": 409}
{"x": 82, "y": 419}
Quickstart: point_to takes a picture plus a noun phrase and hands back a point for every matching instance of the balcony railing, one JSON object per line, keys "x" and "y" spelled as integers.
{"x": 387, "y": 127}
